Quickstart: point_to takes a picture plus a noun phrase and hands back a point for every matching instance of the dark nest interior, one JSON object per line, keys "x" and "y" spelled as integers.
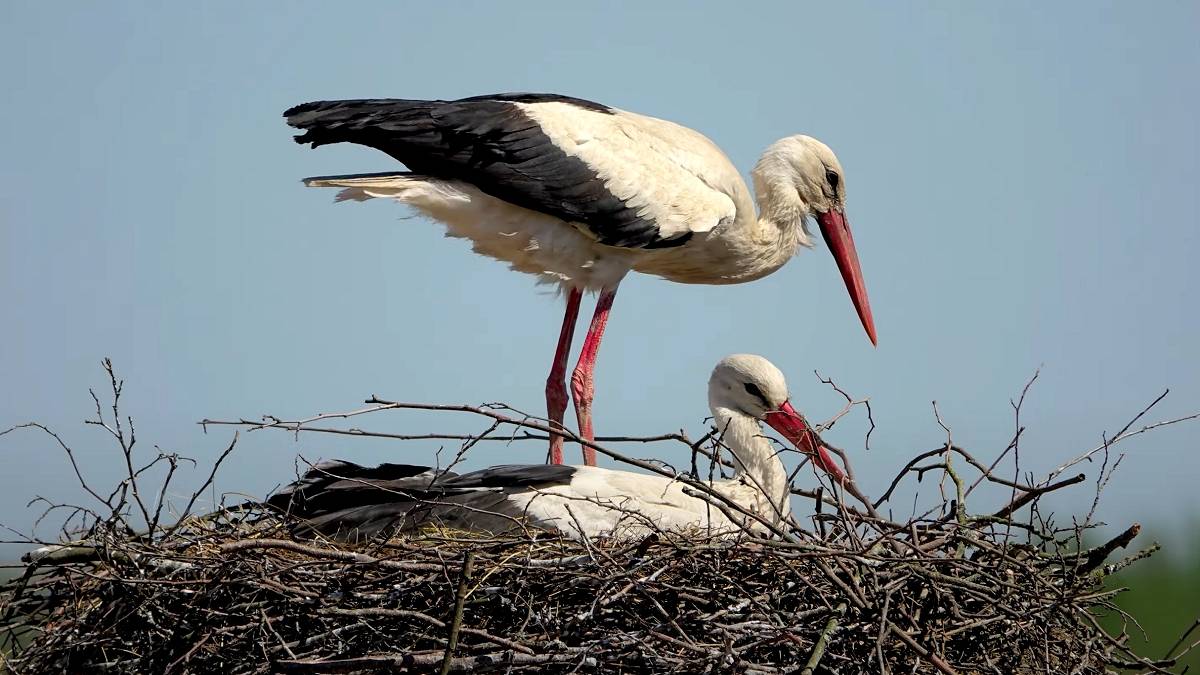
{"x": 849, "y": 590}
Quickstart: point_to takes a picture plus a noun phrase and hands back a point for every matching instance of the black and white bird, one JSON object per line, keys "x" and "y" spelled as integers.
{"x": 350, "y": 502}
{"x": 579, "y": 194}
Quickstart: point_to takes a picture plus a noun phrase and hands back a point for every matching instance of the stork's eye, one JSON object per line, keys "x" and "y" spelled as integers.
{"x": 754, "y": 391}
{"x": 832, "y": 177}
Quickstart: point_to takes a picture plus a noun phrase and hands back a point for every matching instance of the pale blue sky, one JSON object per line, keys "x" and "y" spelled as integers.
{"x": 1022, "y": 183}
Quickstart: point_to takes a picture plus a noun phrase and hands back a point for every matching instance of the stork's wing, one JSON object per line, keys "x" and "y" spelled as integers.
{"x": 336, "y": 484}
{"x": 348, "y": 501}
{"x": 626, "y": 180}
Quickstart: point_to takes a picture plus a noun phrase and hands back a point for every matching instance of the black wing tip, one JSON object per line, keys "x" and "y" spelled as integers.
{"x": 298, "y": 118}
{"x": 295, "y": 114}
{"x": 539, "y": 97}
{"x": 329, "y": 105}
{"x": 297, "y": 109}
{"x": 331, "y": 470}
{"x": 314, "y": 493}
{"x": 340, "y": 469}
{"x": 350, "y": 120}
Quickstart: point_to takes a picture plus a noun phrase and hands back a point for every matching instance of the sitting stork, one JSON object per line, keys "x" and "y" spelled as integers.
{"x": 579, "y": 194}
{"x": 350, "y": 502}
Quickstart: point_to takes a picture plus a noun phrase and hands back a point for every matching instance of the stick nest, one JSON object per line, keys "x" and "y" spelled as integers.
{"x": 852, "y": 591}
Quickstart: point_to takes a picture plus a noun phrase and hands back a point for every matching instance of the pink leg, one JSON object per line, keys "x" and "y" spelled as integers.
{"x": 556, "y": 385}
{"x": 582, "y": 383}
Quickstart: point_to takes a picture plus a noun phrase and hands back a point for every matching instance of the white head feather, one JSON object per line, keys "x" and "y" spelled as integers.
{"x": 796, "y": 178}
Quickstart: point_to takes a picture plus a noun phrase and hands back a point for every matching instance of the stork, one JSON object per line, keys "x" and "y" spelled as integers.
{"x": 350, "y": 502}
{"x": 579, "y": 194}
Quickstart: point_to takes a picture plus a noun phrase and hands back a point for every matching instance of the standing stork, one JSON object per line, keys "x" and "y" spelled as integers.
{"x": 351, "y": 502}
{"x": 579, "y": 194}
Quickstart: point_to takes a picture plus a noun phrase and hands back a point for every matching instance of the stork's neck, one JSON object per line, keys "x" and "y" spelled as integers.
{"x": 768, "y": 236}
{"x": 755, "y": 460}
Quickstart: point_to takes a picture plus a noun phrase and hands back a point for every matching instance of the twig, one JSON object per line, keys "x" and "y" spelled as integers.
{"x": 460, "y": 597}
{"x": 928, "y": 655}
{"x": 1124, "y": 434}
{"x": 823, "y": 640}
{"x": 1094, "y": 558}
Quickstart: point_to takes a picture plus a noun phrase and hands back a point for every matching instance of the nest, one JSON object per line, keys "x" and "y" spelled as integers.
{"x": 946, "y": 591}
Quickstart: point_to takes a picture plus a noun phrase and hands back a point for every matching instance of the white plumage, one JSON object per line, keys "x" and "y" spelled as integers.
{"x": 530, "y": 242}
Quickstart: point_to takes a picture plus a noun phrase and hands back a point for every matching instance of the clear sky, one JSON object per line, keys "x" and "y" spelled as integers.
{"x": 1022, "y": 183}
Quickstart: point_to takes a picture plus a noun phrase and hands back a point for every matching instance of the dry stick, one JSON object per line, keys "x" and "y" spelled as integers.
{"x": 821, "y": 496}
{"x": 848, "y": 483}
{"x": 1124, "y": 434}
{"x": 462, "y": 452}
{"x": 1182, "y": 638}
{"x": 187, "y": 655}
{"x": 1109, "y": 570}
{"x": 1033, "y": 494}
{"x": 341, "y": 556}
{"x": 72, "y": 554}
{"x": 118, "y": 432}
{"x": 282, "y": 642}
{"x": 18, "y": 589}
{"x": 823, "y": 640}
{"x": 850, "y": 403}
{"x": 380, "y": 405}
{"x": 1095, "y": 558}
{"x": 173, "y": 460}
{"x": 1139, "y": 661}
{"x": 925, "y": 653}
{"x": 391, "y": 613}
{"x": 960, "y": 508}
{"x": 460, "y": 598}
{"x": 296, "y": 426}
{"x": 883, "y": 624}
{"x": 1015, "y": 446}
{"x": 979, "y": 466}
{"x": 187, "y": 510}
{"x": 70, "y": 456}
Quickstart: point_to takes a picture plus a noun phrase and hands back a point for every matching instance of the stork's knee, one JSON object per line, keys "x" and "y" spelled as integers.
{"x": 581, "y": 387}
{"x": 556, "y": 394}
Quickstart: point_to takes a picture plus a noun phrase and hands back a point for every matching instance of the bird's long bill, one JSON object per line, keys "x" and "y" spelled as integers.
{"x": 837, "y": 235}
{"x": 792, "y": 426}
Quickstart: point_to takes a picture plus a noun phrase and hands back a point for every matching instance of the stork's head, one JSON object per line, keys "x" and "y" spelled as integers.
{"x": 799, "y": 177}
{"x": 753, "y": 386}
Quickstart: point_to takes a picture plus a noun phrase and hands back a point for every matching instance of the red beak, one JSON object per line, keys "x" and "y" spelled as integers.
{"x": 836, "y": 231}
{"x": 793, "y": 427}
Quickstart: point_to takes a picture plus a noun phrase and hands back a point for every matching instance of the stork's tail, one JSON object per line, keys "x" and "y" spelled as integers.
{"x": 363, "y": 186}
